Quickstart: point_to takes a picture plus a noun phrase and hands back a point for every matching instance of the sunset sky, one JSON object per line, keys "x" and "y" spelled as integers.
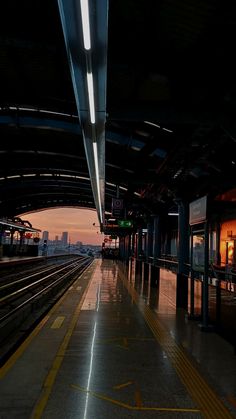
{"x": 78, "y": 223}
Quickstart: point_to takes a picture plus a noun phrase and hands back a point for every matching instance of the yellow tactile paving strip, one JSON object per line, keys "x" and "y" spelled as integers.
{"x": 51, "y": 377}
{"x": 206, "y": 399}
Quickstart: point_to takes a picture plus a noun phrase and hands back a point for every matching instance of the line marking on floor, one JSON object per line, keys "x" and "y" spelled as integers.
{"x": 119, "y": 386}
{"x": 232, "y": 400}
{"x": 50, "y": 379}
{"x": 202, "y": 394}
{"x": 137, "y": 396}
{"x": 137, "y": 339}
{"x": 58, "y": 322}
{"x": 19, "y": 352}
{"x": 130, "y": 407}
{"x": 137, "y": 392}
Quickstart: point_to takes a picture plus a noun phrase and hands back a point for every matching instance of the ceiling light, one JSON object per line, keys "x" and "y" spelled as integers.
{"x": 151, "y": 123}
{"x": 111, "y": 184}
{"x": 91, "y": 97}
{"x": 166, "y": 129}
{"x": 177, "y": 173}
{"x": 85, "y": 23}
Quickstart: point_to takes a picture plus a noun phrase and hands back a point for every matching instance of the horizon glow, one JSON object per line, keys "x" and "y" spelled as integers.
{"x": 77, "y": 221}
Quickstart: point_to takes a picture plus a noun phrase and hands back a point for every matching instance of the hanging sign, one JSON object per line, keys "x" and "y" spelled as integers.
{"x": 197, "y": 211}
{"x": 125, "y": 223}
{"x": 117, "y": 207}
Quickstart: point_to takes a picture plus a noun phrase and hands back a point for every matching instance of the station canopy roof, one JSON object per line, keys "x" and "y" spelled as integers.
{"x": 17, "y": 224}
{"x": 165, "y": 96}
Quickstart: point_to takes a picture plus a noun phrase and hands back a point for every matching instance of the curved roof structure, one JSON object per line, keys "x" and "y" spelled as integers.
{"x": 165, "y": 90}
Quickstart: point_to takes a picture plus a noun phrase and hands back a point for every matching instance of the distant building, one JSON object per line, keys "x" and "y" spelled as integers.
{"x": 64, "y": 238}
{"x": 45, "y": 236}
{"x": 56, "y": 238}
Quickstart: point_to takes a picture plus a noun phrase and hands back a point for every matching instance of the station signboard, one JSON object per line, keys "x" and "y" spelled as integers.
{"x": 118, "y": 228}
{"x": 198, "y": 211}
{"x": 117, "y": 207}
{"x": 125, "y": 223}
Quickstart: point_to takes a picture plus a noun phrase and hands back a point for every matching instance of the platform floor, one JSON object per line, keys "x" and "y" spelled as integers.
{"x": 112, "y": 347}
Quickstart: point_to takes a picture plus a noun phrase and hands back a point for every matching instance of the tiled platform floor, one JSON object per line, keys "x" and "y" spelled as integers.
{"x": 119, "y": 349}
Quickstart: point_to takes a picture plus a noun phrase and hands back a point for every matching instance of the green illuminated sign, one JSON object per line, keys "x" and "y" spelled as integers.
{"x": 125, "y": 223}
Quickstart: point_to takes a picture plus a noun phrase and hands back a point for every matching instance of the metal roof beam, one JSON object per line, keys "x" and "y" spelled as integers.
{"x": 83, "y": 61}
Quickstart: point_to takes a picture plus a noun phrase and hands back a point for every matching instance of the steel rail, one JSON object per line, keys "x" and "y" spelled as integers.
{"x": 84, "y": 264}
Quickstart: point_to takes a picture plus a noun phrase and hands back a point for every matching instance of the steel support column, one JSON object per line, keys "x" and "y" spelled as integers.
{"x": 139, "y": 263}
{"x": 156, "y": 251}
{"x": 183, "y": 256}
{"x": 205, "y": 291}
{"x": 149, "y": 249}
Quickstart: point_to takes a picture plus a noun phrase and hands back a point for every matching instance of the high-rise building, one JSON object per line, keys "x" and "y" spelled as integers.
{"x": 64, "y": 238}
{"x": 45, "y": 235}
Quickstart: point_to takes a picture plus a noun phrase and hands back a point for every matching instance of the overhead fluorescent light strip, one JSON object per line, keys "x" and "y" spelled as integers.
{"x": 111, "y": 184}
{"x": 95, "y": 152}
{"x": 91, "y": 97}
{"x": 151, "y": 123}
{"x": 85, "y": 24}
{"x": 166, "y": 129}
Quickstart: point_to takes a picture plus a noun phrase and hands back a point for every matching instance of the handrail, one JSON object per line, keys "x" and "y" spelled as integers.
{"x": 168, "y": 261}
{"x": 229, "y": 272}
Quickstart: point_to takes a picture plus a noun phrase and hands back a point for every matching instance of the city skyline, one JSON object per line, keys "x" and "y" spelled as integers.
{"x": 79, "y": 223}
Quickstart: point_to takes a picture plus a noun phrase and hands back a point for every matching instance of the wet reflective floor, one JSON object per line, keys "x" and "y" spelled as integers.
{"x": 121, "y": 350}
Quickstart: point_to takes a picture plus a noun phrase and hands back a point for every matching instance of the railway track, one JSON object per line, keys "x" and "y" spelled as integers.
{"x": 27, "y": 296}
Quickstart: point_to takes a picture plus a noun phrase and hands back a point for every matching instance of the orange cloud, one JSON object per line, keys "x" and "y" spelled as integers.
{"x": 78, "y": 223}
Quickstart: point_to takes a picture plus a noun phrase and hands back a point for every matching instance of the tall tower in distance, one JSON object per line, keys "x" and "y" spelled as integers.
{"x": 64, "y": 238}
{"x": 45, "y": 235}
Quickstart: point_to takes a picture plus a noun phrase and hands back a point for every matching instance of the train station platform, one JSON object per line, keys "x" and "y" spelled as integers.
{"x": 112, "y": 347}
{"x": 15, "y": 260}
{"x": 6, "y": 261}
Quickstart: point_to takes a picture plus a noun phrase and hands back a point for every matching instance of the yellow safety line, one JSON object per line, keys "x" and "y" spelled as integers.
{"x": 12, "y": 360}
{"x": 200, "y": 391}
{"x": 58, "y": 322}
{"x": 138, "y": 398}
{"x": 119, "y": 386}
{"x": 50, "y": 379}
{"x": 130, "y": 407}
{"x": 19, "y": 352}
